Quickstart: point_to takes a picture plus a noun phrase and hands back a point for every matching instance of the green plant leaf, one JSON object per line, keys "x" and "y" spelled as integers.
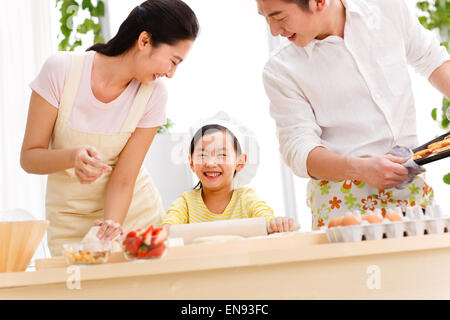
{"x": 433, "y": 113}
{"x": 98, "y": 39}
{"x": 99, "y": 11}
{"x": 87, "y": 4}
{"x": 447, "y": 178}
{"x": 69, "y": 9}
{"x": 165, "y": 128}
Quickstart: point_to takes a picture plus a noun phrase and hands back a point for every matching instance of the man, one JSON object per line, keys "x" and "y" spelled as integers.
{"x": 341, "y": 97}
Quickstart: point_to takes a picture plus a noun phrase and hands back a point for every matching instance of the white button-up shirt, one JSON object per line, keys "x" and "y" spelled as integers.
{"x": 352, "y": 95}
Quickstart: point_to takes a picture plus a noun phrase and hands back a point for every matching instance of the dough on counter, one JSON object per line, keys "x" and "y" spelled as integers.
{"x": 216, "y": 239}
{"x": 91, "y": 236}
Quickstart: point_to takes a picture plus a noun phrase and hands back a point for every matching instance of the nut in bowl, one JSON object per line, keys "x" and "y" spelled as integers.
{"x": 147, "y": 243}
{"x": 87, "y": 253}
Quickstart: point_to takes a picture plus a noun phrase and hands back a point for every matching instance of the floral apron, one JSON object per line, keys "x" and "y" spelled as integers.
{"x": 329, "y": 199}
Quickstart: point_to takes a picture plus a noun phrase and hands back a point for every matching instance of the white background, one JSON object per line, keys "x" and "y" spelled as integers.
{"x": 223, "y": 71}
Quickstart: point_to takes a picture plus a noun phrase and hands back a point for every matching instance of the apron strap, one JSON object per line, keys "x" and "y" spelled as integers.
{"x": 138, "y": 107}
{"x": 71, "y": 87}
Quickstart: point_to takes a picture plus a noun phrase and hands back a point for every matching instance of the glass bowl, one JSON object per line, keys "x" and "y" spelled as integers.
{"x": 144, "y": 251}
{"x": 87, "y": 253}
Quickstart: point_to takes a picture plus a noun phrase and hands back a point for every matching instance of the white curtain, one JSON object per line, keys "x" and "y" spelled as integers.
{"x": 27, "y": 38}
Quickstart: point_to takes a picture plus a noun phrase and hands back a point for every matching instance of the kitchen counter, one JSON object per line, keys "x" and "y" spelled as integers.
{"x": 288, "y": 266}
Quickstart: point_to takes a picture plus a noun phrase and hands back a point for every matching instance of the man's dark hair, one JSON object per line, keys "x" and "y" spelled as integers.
{"x": 303, "y": 4}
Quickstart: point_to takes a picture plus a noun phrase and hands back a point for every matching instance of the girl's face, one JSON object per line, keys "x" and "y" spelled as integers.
{"x": 214, "y": 161}
{"x": 163, "y": 60}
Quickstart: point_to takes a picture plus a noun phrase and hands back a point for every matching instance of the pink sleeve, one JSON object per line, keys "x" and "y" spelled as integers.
{"x": 155, "y": 112}
{"x": 49, "y": 83}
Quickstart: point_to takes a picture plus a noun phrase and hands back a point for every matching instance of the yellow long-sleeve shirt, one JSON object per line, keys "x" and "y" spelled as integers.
{"x": 190, "y": 208}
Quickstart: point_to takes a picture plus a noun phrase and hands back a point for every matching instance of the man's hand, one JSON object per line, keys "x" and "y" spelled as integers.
{"x": 383, "y": 172}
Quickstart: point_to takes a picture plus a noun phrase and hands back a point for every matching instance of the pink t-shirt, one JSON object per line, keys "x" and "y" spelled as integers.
{"x": 88, "y": 113}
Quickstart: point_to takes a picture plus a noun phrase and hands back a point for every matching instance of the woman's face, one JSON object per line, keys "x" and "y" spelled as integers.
{"x": 163, "y": 60}
{"x": 214, "y": 161}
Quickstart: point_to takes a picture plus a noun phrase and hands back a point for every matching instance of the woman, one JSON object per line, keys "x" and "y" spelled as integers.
{"x": 99, "y": 113}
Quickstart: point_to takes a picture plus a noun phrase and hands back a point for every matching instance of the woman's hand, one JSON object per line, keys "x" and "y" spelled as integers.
{"x": 282, "y": 224}
{"x": 109, "y": 229}
{"x": 383, "y": 172}
{"x": 88, "y": 166}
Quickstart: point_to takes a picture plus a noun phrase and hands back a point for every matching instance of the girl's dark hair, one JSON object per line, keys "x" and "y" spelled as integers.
{"x": 167, "y": 21}
{"x": 208, "y": 129}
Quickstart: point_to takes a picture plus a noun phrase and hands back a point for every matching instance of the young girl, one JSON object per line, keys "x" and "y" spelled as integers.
{"x": 218, "y": 160}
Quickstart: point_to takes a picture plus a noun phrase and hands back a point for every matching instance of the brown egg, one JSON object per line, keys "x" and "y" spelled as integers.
{"x": 393, "y": 216}
{"x": 335, "y": 222}
{"x": 349, "y": 221}
{"x": 374, "y": 218}
{"x": 332, "y": 223}
{"x": 365, "y": 217}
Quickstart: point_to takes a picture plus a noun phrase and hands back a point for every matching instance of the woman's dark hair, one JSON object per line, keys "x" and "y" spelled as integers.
{"x": 167, "y": 21}
{"x": 208, "y": 129}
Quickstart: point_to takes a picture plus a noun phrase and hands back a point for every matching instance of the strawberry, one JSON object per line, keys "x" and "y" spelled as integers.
{"x": 147, "y": 236}
{"x": 159, "y": 236}
{"x": 156, "y": 252}
{"x": 132, "y": 244}
{"x": 140, "y": 232}
{"x": 132, "y": 234}
{"x": 130, "y": 254}
{"x": 142, "y": 252}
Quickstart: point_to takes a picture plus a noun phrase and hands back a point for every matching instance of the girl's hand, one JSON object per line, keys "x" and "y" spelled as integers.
{"x": 282, "y": 224}
{"x": 109, "y": 229}
{"x": 88, "y": 166}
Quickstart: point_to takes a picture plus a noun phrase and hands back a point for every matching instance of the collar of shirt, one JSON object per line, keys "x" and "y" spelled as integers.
{"x": 351, "y": 8}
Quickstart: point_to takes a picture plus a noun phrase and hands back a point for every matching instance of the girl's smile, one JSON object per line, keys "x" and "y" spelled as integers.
{"x": 215, "y": 160}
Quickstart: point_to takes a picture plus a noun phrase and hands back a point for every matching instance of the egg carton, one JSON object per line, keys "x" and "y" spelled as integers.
{"x": 415, "y": 222}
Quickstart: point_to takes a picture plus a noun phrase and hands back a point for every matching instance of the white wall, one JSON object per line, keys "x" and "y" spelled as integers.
{"x": 223, "y": 71}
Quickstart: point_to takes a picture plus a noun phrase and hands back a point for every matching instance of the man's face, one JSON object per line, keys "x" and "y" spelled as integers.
{"x": 290, "y": 21}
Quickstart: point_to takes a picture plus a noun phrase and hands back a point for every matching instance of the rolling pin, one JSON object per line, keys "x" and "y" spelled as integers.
{"x": 248, "y": 227}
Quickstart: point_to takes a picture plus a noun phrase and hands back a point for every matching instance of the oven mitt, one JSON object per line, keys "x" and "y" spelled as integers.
{"x": 413, "y": 168}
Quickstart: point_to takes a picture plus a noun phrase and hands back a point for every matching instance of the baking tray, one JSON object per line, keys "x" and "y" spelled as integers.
{"x": 432, "y": 157}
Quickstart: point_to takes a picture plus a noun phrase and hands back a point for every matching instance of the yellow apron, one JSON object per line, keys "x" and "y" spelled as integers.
{"x": 72, "y": 207}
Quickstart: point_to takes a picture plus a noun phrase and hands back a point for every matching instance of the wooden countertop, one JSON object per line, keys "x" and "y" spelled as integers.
{"x": 286, "y": 248}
